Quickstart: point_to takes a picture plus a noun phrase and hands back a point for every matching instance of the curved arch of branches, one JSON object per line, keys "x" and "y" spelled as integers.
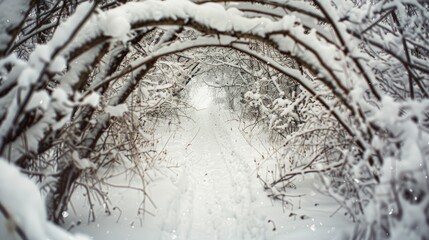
{"x": 299, "y": 30}
{"x": 308, "y": 49}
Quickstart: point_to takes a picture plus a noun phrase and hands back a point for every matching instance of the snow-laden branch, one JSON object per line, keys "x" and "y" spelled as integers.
{"x": 22, "y": 209}
{"x": 301, "y": 7}
{"x": 287, "y": 35}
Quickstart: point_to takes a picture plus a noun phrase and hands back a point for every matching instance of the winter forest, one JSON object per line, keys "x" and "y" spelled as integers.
{"x": 207, "y": 119}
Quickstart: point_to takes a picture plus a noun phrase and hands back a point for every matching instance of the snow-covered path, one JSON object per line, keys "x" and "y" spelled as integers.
{"x": 206, "y": 189}
{"x": 216, "y": 202}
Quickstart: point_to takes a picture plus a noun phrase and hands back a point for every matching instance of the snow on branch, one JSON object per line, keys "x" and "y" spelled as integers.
{"x": 23, "y": 209}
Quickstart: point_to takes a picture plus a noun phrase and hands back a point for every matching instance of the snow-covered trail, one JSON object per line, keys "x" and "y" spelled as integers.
{"x": 217, "y": 200}
{"x": 206, "y": 189}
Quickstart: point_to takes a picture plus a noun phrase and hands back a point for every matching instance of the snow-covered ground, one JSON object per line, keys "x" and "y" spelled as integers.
{"x": 207, "y": 189}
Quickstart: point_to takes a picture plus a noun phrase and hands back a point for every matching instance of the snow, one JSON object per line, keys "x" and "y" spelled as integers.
{"x": 21, "y": 199}
{"x": 26, "y": 205}
{"x": 39, "y": 99}
{"x": 58, "y": 65}
{"x": 207, "y": 188}
{"x": 92, "y": 99}
{"x": 11, "y": 14}
{"x": 116, "y": 25}
{"x": 28, "y": 76}
{"x": 82, "y": 163}
{"x": 202, "y": 98}
{"x": 116, "y": 111}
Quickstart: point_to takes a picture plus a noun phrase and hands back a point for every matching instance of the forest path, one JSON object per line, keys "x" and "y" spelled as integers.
{"x": 206, "y": 189}
{"x": 216, "y": 199}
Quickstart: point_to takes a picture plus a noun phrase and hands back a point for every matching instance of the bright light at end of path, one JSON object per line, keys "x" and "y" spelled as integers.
{"x": 201, "y": 97}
